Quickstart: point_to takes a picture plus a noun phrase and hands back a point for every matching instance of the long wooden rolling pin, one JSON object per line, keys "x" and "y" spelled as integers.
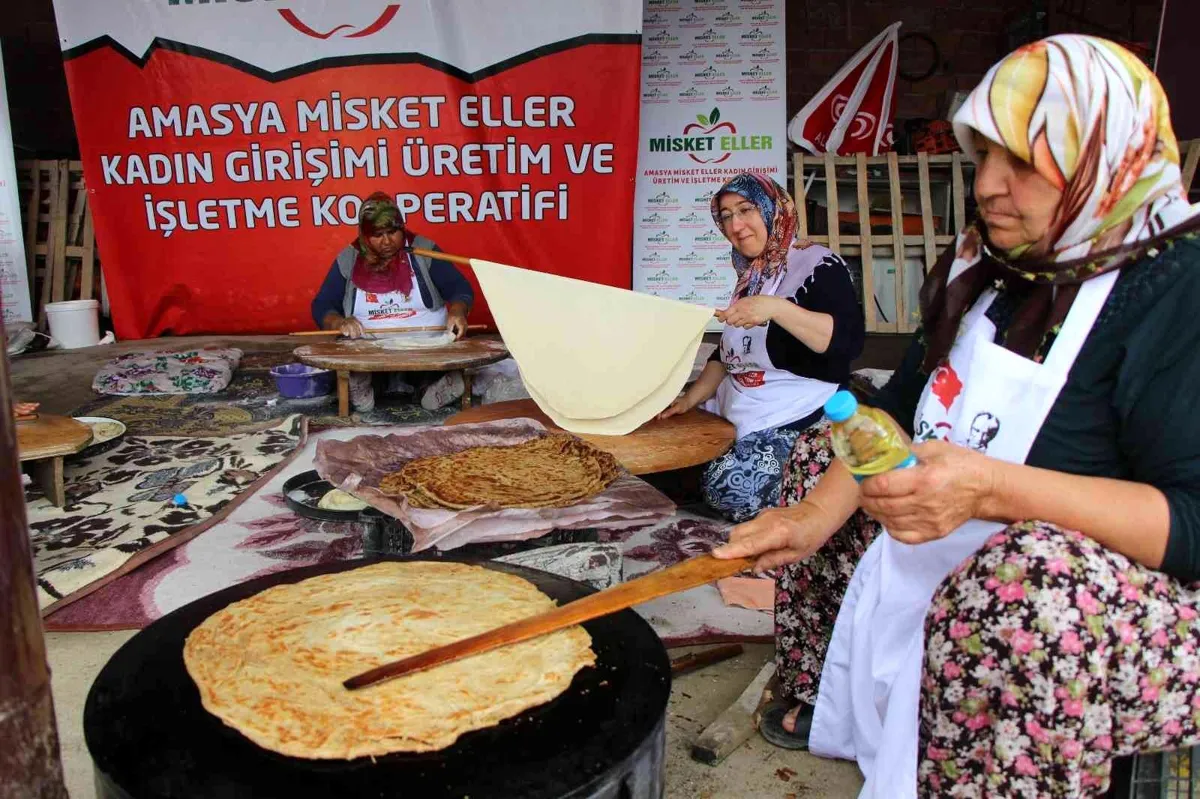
{"x": 689, "y": 574}
{"x": 420, "y": 329}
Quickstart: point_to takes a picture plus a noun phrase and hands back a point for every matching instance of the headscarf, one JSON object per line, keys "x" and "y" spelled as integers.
{"x": 379, "y": 212}
{"x": 1093, "y": 120}
{"x": 778, "y": 213}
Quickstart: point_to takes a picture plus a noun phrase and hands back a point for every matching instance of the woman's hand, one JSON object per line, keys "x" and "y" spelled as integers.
{"x": 751, "y": 312}
{"x": 681, "y": 405}
{"x": 457, "y": 324}
{"x": 25, "y": 408}
{"x": 780, "y": 536}
{"x": 350, "y": 328}
{"x": 949, "y": 485}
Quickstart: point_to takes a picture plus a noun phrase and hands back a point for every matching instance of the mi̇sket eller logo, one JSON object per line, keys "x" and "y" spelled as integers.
{"x": 382, "y": 21}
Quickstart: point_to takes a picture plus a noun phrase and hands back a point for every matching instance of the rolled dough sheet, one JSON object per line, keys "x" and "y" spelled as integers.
{"x": 415, "y": 341}
{"x": 595, "y": 358}
{"x": 628, "y": 421}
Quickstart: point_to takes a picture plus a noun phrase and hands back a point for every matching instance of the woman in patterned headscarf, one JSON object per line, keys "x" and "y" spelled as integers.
{"x": 376, "y": 282}
{"x": 792, "y": 328}
{"x": 1031, "y": 611}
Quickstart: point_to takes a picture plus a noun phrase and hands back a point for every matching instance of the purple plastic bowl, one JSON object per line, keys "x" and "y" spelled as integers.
{"x": 300, "y": 381}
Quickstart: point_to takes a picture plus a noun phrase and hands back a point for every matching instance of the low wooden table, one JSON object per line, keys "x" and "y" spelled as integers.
{"x": 359, "y": 355}
{"x": 45, "y": 441}
{"x": 685, "y": 440}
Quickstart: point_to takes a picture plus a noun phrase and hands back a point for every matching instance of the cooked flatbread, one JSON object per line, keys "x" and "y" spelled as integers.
{"x": 271, "y": 666}
{"x": 549, "y": 472}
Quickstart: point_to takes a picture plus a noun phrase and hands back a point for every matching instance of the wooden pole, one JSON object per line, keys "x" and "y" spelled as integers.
{"x": 29, "y": 758}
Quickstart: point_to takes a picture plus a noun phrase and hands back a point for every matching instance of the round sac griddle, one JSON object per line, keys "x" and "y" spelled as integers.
{"x": 604, "y": 737}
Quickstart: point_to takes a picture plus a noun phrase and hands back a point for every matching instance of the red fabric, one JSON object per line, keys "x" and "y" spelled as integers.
{"x": 263, "y": 279}
{"x": 853, "y": 112}
{"x": 397, "y": 277}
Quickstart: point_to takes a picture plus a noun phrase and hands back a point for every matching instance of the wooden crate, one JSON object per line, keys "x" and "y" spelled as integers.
{"x": 922, "y": 235}
{"x": 60, "y": 241}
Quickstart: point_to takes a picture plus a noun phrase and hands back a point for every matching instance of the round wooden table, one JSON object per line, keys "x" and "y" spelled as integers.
{"x": 688, "y": 439}
{"x": 360, "y": 355}
{"x": 45, "y": 441}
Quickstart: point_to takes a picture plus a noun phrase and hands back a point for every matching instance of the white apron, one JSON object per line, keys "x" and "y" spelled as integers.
{"x": 755, "y": 394}
{"x": 989, "y": 399}
{"x": 396, "y": 309}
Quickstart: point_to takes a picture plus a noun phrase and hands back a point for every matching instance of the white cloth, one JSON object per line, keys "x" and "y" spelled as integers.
{"x": 755, "y": 394}
{"x": 992, "y": 400}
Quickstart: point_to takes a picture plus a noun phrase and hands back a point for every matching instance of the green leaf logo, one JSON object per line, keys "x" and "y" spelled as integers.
{"x": 703, "y": 120}
{"x": 714, "y": 116}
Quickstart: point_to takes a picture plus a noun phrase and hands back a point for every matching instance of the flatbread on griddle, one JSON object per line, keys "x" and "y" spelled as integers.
{"x": 271, "y": 666}
{"x": 553, "y": 471}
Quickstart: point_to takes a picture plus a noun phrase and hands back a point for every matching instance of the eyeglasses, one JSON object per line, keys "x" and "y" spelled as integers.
{"x": 743, "y": 213}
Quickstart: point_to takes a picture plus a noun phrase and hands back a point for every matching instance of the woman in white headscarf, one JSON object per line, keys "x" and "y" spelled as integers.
{"x": 1028, "y": 612}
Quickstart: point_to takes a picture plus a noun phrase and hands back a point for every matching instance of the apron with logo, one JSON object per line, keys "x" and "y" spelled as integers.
{"x": 989, "y": 399}
{"x": 755, "y": 394}
{"x": 375, "y": 309}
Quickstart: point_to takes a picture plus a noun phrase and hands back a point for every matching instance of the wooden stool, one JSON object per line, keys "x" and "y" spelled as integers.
{"x": 45, "y": 441}
{"x": 685, "y": 440}
{"x": 362, "y": 355}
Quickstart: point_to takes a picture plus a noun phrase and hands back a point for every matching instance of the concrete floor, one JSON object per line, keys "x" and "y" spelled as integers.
{"x": 62, "y": 381}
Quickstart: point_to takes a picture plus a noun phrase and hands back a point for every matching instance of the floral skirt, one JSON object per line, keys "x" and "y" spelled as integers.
{"x": 1046, "y": 654}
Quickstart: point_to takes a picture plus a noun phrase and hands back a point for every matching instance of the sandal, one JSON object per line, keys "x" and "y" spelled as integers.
{"x": 771, "y": 725}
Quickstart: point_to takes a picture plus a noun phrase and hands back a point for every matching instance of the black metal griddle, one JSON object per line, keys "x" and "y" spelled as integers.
{"x": 149, "y": 736}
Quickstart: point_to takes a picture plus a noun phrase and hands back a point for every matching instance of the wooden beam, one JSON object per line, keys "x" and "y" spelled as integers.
{"x": 868, "y": 257}
{"x": 831, "y": 201}
{"x": 735, "y": 725}
{"x": 902, "y": 324}
{"x": 32, "y": 212}
{"x": 1189, "y": 164}
{"x": 926, "y": 210}
{"x": 800, "y": 195}
{"x": 958, "y": 193}
{"x": 58, "y": 235}
{"x": 88, "y": 257}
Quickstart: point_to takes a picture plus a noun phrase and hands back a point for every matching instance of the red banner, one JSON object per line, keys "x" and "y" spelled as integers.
{"x": 222, "y": 190}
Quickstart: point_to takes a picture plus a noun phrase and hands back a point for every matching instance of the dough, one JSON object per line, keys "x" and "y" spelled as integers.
{"x": 415, "y": 341}
{"x": 338, "y": 499}
{"x": 271, "y": 666}
{"x": 596, "y": 359}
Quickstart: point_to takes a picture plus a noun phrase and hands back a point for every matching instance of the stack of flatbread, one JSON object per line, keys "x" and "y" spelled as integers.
{"x": 551, "y": 471}
{"x": 595, "y": 359}
{"x": 271, "y": 666}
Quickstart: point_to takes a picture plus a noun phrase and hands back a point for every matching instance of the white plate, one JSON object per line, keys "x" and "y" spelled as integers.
{"x": 103, "y": 428}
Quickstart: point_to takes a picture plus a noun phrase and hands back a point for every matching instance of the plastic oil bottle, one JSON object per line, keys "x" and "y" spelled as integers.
{"x": 865, "y": 439}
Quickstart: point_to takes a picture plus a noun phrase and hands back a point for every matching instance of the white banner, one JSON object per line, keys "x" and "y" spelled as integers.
{"x": 713, "y": 105}
{"x": 14, "y": 282}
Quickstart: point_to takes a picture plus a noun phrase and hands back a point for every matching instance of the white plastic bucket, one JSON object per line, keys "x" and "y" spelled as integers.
{"x": 75, "y": 323}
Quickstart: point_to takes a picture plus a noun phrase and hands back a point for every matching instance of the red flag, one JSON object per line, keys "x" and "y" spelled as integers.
{"x": 853, "y": 112}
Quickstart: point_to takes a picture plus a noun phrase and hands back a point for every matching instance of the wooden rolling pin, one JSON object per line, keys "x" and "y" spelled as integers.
{"x": 389, "y": 330}
{"x": 680, "y": 577}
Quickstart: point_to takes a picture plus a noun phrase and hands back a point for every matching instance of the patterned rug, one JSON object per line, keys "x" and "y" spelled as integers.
{"x": 249, "y": 403}
{"x": 262, "y": 536}
{"x": 120, "y": 510}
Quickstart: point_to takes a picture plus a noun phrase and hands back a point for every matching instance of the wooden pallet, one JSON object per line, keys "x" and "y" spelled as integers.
{"x": 60, "y": 240}
{"x": 921, "y": 172}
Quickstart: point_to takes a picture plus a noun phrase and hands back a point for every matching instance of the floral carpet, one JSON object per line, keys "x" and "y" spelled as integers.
{"x": 120, "y": 510}
{"x": 250, "y": 402}
{"x": 262, "y": 535}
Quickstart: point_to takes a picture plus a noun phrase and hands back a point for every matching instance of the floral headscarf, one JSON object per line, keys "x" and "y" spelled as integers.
{"x": 379, "y": 212}
{"x": 778, "y": 213}
{"x": 1093, "y": 120}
